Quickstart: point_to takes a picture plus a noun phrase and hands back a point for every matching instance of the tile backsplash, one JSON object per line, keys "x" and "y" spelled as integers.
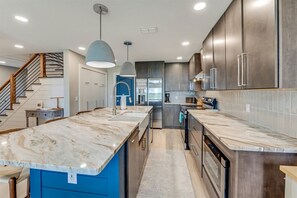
{"x": 180, "y": 96}
{"x": 275, "y": 109}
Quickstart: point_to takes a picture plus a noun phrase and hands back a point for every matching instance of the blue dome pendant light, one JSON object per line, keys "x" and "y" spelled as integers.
{"x": 128, "y": 69}
{"x": 100, "y": 54}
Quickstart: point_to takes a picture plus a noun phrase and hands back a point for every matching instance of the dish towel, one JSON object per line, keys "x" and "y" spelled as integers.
{"x": 181, "y": 117}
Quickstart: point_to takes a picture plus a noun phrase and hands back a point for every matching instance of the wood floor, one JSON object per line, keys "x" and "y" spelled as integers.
{"x": 170, "y": 170}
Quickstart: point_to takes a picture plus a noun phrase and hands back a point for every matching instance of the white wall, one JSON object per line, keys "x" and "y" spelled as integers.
{"x": 50, "y": 87}
{"x": 72, "y": 60}
{"x": 5, "y": 73}
{"x": 111, "y": 73}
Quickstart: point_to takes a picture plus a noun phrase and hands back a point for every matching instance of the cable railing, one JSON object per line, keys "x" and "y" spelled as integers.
{"x": 40, "y": 65}
{"x": 54, "y": 64}
{"x": 4, "y": 96}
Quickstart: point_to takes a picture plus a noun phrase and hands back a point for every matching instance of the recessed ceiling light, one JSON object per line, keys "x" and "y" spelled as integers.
{"x": 81, "y": 48}
{"x": 260, "y": 3}
{"x": 185, "y": 43}
{"x": 200, "y": 6}
{"x": 19, "y": 46}
{"x": 22, "y": 19}
{"x": 2, "y": 62}
{"x": 179, "y": 58}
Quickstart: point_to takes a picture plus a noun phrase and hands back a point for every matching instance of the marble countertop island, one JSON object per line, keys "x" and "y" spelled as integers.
{"x": 240, "y": 135}
{"x": 82, "y": 144}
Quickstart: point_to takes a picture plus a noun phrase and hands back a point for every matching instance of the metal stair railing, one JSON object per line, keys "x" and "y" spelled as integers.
{"x": 39, "y": 65}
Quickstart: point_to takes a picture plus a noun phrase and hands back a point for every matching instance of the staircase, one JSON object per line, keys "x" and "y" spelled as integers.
{"x": 30, "y": 78}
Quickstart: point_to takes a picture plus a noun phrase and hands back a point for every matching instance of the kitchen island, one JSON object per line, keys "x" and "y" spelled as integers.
{"x": 81, "y": 156}
{"x": 254, "y": 155}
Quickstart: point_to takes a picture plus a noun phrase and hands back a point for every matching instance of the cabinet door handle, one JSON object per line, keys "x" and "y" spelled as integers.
{"x": 238, "y": 70}
{"x": 214, "y": 73}
{"x": 210, "y": 79}
{"x": 243, "y": 63}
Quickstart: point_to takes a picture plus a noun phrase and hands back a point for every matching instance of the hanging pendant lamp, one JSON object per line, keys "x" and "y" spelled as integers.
{"x": 128, "y": 69}
{"x": 100, "y": 54}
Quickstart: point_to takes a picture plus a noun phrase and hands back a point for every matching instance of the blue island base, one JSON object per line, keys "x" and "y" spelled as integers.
{"x": 109, "y": 183}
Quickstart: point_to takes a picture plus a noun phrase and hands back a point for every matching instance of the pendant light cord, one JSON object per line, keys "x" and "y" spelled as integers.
{"x": 127, "y": 52}
{"x": 100, "y": 23}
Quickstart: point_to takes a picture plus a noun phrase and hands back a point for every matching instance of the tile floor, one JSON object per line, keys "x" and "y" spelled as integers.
{"x": 168, "y": 168}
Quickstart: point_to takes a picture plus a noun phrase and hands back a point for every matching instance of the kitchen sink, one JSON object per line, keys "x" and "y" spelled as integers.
{"x": 129, "y": 116}
{"x": 142, "y": 118}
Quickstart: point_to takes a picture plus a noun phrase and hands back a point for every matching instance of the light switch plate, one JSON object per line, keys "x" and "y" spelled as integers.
{"x": 247, "y": 108}
{"x": 72, "y": 178}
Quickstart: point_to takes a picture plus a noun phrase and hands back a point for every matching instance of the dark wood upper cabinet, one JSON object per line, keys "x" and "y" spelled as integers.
{"x": 233, "y": 21}
{"x": 156, "y": 69}
{"x": 207, "y": 60}
{"x": 194, "y": 69}
{"x": 244, "y": 44}
{"x": 288, "y": 47}
{"x": 219, "y": 51}
{"x": 149, "y": 69}
{"x": 260, "y": 64}
{"x": 176, "y": 76}
{"x": 141, "y": 69}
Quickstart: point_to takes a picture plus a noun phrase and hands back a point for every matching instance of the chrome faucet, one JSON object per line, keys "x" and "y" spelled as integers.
{"x": 114, "y": 110}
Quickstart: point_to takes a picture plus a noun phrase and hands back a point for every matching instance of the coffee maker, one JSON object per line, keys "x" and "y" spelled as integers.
{"x": 167, "y": 97}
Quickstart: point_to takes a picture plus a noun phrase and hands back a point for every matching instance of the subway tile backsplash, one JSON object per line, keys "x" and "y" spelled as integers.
{"x": 180, "y": 96}
{"x": 275, "y": 109}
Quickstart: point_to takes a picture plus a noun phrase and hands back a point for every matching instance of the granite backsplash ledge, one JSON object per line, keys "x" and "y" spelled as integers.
{"x": 275, "y": 109}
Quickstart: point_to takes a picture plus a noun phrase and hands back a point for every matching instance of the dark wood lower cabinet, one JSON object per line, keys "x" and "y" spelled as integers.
{"x": 255, "y": 174}
{"x": 171, "y": 116}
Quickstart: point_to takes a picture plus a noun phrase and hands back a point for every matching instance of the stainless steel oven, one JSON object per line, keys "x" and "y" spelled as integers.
{"x": 216, "y": 166}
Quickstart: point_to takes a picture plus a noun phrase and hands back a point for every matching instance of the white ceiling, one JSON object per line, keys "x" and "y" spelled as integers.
{"x": 55, "y": 25}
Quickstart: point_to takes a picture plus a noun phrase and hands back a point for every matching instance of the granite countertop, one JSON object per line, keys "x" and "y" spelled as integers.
{"x": 240, "y": 135}
{"x": 82, "y": 144}
{"x": 290, "y": 171}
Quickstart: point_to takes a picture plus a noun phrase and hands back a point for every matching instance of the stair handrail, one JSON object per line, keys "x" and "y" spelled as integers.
{"x": 4, "y": 85}
{"x": 23, "y": 78}
{"x": 25, "y": 65}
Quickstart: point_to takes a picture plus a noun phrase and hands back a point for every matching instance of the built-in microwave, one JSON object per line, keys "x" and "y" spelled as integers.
{"x": 215, "y": 168}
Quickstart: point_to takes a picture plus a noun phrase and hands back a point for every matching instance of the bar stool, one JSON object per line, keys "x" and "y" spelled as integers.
{"x": 13, "y": 175}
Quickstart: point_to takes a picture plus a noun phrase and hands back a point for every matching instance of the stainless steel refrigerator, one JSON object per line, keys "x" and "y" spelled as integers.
{"x": 149, "y": 92}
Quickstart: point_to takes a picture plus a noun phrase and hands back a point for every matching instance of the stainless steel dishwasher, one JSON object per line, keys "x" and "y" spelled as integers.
{"x": 133, "y": 164}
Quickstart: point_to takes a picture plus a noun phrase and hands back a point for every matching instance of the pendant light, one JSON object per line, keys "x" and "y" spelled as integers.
{"x": 128, "y": 69}
{"x": 100, "y": 54}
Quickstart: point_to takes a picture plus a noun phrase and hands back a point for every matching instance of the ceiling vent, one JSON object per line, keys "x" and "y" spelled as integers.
{"x": 149, "y": 30}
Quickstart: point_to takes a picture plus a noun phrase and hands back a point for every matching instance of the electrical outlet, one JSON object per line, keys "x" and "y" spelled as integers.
{"x": 247, "y": 108}
{"x": 72, "y": 178}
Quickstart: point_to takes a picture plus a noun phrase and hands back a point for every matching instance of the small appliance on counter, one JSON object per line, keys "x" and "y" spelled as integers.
{"x": 208, "y": 104}
{"x": 167, "y": 97}
{"x": 141, "y": 99}
{"x": 191, "y": 100}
